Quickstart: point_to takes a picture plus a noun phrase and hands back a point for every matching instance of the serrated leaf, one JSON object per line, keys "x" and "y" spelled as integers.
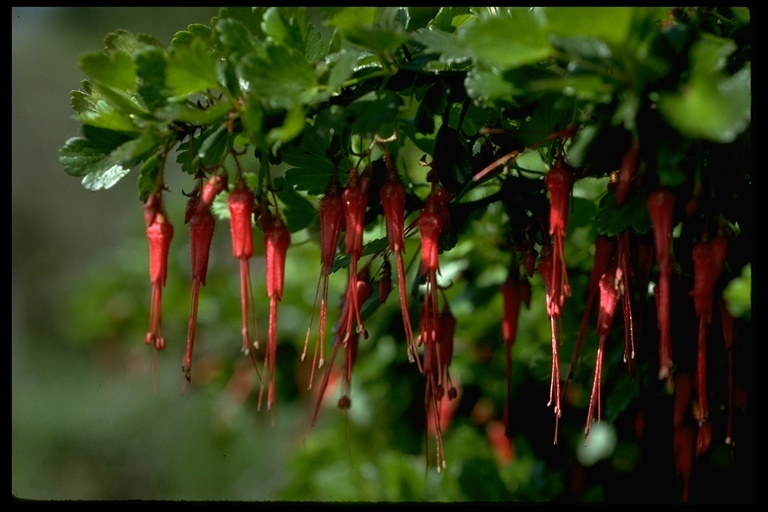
{"x": 236, "y": 37}
{"x": 105, "y": 178}
{"x": 450, "y": 48}
{"x": 249, "y": 17}
{"x": 78, "y": 155}
{"x": 148, "y": 177}
{"x": 99, "y": 113}
{"x": 611, "y": 220}
{"x": 150, "y": 69}
{"x": 100, "y": 167}
{"x": 358, "y": 26}
{"x": 508, "y": 41}
{"x": 126, "y": 103}
{"x": 287, "y": 26}
{"x": 194, "y": 31}
{"x": 342, "y": 70}
{"x": 298, "y": 211}
{"x": 309, "y": 174}
{"x": 116, "y": 70}
{"x": 489, "y": 86}
{"x": 186, "y": 113}
{"x": 213, "y": 145}
{"x": 281, "y": 80}
{"x": 122, "y": 41}
{"x": 375, "y": 114}
{"x": 191, "y": 69}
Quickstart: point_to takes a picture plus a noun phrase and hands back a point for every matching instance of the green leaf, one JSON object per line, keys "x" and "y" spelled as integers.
{"x": 290, "y": 27}
{"x": 191, "y": 69}
{"x": 125, "y": 103}
{"x": 420, "y": 17}
{"x": 375, "y": 114}
{"x": 213, "y": 145}
{"x": 292, "y": 125}
{"x": 116, "y": 70}
{"x": 448, "y": 19}
{"x": 194, "y": 31}
{"x": 93, "y": 110}
{"x": 192, "y": 114}
{"x": 489, "y": 86}
{"x": 122, "y": 41}
{"x": 633, "y": 214}
{"x": 738, "y": 294}
{"x": 79, "y": 155}
{"x": 311, "y": 166}
{"x": 350, "y": 17}
{"x": 524, "y": 39}
{"x": 237, "y": 38}
{"x": 358, "y": 26}
{"x": 609, "y": 24}
{"x": 582, "y": 212}
{"x": 281, "y": 80}
{"x": 343, "y": 69}
{"x": 712, "y": 105}
{"x": 150, "y": 69}
{"x": 249, "y": 17}
{"x": 101, "y": 167}
{"x": 298, "y": 211}
{"x": 451, "y": 49}
{"x": 148, "y": 177}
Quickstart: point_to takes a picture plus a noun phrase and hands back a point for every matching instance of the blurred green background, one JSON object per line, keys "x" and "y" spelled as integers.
{"x": 86, "y": 424}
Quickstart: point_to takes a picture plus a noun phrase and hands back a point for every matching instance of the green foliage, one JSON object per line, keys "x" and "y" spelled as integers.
{"x": 284, "y": 97}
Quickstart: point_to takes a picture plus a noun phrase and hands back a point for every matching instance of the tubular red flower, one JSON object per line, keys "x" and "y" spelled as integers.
{"x": 331, "y": 222}
{"x": 159, "y": 234}
{"x": 604, "y": 249}
{"x": 201, "y": 227}
{"x": 627, "y": 172}
{"x": 392, "y": 195}
{"x": 708, "y": 261}
{"x": 559, "y": 183}
{"x": 553, "y": 311}
{"x": 276, "y": 242}
{"x": 660, "y": 204}
{"x": 355, "y": 201}
{"x": 430, "y": 329}
{"x": 623, "y": 271}
{"x": 215, "y": 185}
{"x": 241, "y": 204}
{"x": 346, "y": 340}
{"x": 609, "y": 298}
